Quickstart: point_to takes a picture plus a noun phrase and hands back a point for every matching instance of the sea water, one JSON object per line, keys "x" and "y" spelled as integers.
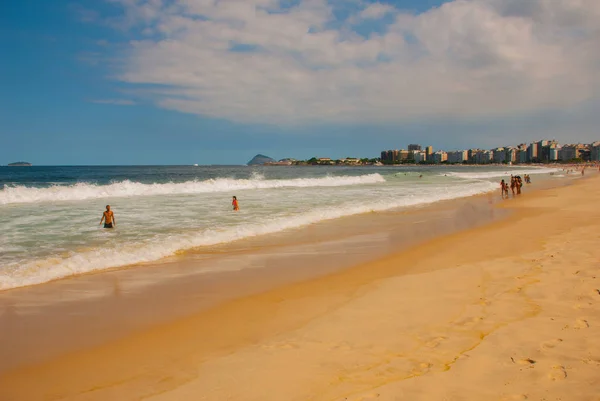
{"x": 50, "y": 215}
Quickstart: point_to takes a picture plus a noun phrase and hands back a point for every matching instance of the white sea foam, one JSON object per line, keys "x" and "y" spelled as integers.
{"x": 501, "y": 173}
{"x": 82, "y": 191}
{"x": 43, "y": 270}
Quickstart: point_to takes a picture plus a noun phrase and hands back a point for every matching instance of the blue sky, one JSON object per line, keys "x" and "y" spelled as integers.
{"x": 178, "y": 82}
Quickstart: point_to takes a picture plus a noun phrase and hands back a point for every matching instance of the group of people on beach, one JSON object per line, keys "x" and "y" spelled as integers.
{"x": 516, "y": 183}
{"x": 569, "y": 171}
{"x": 108, "y": 217}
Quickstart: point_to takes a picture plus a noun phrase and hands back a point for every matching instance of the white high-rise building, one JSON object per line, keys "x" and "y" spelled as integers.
{"x": 440, "y": 156}
{"x": 420, "y": 157}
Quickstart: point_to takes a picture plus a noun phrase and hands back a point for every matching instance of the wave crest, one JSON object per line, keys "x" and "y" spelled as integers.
{"x": 83, "y": 191}
{"x": 497, "y": 174}
{"x": 54, "y": 267}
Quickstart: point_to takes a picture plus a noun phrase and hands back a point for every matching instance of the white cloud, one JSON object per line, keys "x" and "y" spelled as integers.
{"x": 468, "y": 59}
{"x": 118, "y": 102}
{"x": 377, "y": 10}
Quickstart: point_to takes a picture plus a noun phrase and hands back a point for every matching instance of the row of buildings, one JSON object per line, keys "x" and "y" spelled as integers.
{"x": 546, "y": 151}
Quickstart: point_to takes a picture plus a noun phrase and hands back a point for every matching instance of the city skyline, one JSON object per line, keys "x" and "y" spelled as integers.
{"x": 542, "y": 151}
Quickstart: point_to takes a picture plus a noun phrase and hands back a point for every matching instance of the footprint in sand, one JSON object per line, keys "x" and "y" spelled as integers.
{"x": 435, "y": 342}
{"x": 424, "y": 367}
{"x": 526, "y": 361}
{"x": 558, "y": 372}
{"x": 279, "y": 346}
{"x": 340, "y": 347}
{"x": 484, "y": 302}
{"x": 551, "y": 343}
{"x": 469, "y": 322}
{"x": 581, "y": 324}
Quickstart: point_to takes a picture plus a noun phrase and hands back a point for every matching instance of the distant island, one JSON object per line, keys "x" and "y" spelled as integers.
{"x": 260, "y": 160}
{"x": 19, "y": 164}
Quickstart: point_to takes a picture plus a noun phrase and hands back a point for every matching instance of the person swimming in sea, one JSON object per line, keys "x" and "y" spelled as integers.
{"x": 235, "y": 205}
{"x": 109, "y": 218}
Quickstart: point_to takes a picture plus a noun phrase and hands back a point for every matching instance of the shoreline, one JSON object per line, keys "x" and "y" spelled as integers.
{"x": 231, "y": 246}
{"x": 114, "y": 297}
{"x": 321, "y": 296}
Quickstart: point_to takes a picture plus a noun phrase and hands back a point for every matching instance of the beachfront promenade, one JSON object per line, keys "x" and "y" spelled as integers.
{"x": 506, "y": 311}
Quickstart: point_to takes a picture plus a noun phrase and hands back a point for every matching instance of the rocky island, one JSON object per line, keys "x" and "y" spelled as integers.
{"x": 19, "y": 164}
{"x": 260, "y": 160}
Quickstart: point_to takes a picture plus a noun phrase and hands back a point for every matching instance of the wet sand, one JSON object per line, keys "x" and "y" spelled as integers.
{"x": 92, "y": 309}
{"x": 331, "y": 337}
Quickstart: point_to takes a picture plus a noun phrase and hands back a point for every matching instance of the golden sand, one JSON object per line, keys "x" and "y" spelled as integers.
{"x": 503, "y": 312}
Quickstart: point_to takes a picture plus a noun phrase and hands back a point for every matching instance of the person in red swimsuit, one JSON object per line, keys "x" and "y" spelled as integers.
{"x": 236, "y": 207}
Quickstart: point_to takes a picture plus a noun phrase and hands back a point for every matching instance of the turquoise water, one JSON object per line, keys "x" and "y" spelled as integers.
{"x": 50, "y": 215}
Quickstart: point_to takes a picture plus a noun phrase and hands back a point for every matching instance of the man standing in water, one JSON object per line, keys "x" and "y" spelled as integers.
{"x": 109, "y": 218}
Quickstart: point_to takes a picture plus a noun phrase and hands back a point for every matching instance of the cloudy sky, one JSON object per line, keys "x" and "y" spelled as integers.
{"x": 217, "y": 81}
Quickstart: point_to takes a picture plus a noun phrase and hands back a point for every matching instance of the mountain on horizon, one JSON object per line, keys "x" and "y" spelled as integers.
{"x": 260, "y": 159}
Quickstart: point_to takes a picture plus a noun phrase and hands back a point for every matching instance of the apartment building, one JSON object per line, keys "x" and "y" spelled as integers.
{"x": 458, "y": 156}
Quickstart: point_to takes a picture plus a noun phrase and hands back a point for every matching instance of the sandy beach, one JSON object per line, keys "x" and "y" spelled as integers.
{"x": 505, "y": 311}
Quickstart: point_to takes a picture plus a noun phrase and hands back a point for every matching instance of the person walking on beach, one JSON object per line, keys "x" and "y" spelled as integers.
{"x": 503, "y": 188}
{"x": 109, "y": 218}
{"x": 235, "y": 205}
{"x": 512, "y": 184}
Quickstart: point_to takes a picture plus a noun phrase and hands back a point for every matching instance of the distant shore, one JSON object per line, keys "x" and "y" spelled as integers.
{"x": 441, "y": 165}
{"x": 19, "y": 164}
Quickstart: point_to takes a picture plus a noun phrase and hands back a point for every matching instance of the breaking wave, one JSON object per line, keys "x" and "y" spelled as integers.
{"x": 161, "y": 246}
{"x": 82, "y": 191}
{"x": 500, "y": 173}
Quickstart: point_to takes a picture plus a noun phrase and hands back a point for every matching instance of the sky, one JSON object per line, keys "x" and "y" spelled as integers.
{"x": 88, "y": 82}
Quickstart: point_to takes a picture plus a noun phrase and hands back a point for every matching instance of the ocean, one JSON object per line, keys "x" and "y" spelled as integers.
{"x": 50, "y": 215}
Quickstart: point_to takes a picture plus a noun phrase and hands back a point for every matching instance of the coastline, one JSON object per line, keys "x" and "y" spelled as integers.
{"x": 228, "y": 241}
{"x": 248, "y": 327}
{"x": 194, "y": 281}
